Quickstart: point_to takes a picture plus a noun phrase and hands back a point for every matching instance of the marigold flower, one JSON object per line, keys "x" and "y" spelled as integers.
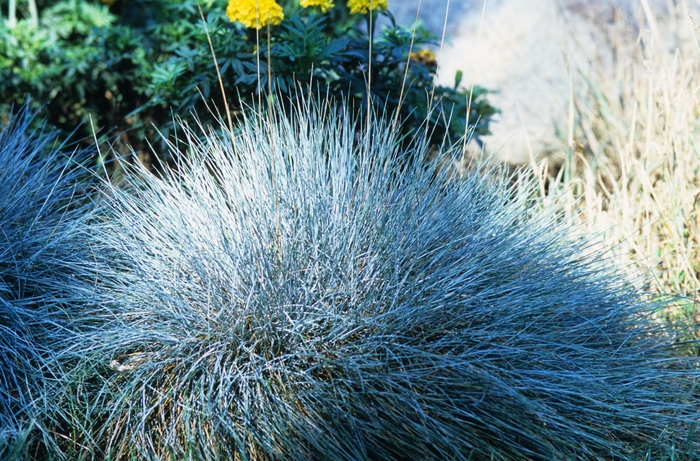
{"x": 425, "y": 57}
{"x": 323, "y": 4}
{"x": 255, "y": 13}
{"x": 363, "y": 6}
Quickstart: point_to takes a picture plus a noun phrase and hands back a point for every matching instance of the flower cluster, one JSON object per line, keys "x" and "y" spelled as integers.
{"x": 324, "y": 5}
{"x": 259, "y": 13}
{"x": 364, "y": 6}
{"x": 255, "y": 13}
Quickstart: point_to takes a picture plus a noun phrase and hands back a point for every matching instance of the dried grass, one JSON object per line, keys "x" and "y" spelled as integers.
{"x": 632, "y": 171}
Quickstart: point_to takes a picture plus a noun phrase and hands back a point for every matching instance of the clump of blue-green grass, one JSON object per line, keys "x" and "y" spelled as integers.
{"x": 300, "y": 291}
{"x": 41, "y": 198}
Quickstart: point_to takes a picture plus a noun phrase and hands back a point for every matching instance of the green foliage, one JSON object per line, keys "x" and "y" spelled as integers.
{"x": 126, "y": 67}
{"x": 79, "y": 62}
{"x": 337, "y": 63}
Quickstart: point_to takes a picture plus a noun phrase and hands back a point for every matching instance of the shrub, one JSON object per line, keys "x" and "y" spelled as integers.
{"x": 128, "y": 66}
{"x": 39, "y": 201}
{"x": 295, "y": 291}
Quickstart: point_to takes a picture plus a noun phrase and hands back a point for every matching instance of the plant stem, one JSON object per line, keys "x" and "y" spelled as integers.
{"x": 34, "y": 14}
{"x": 12, "y": 14}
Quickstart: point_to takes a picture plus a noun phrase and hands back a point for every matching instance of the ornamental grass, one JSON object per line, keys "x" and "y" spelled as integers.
{"x": 632, "y": 170}
{"x": 297, "y": 291}
{"x": 42, "y": 194}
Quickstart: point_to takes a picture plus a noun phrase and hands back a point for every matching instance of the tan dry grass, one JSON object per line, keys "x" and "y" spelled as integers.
{"x": 632, "y": 170}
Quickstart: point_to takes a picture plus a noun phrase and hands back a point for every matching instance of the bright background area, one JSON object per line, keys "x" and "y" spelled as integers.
{"x": 523, "y": 48}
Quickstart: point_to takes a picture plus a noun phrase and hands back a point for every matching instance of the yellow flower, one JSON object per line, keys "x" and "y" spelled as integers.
{"x": 425, "y": 57}
{"x": 323, "y": 4}
{"x": 255, "y": 13}
{"x": 363, "y": 6}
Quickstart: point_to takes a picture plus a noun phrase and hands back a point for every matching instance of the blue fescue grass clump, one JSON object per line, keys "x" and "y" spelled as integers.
{"x": 18, "y": 356}
{"x": 40, "y": 201}
{"x": 39, "y": 189}
{"x": 300, "y": 291}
